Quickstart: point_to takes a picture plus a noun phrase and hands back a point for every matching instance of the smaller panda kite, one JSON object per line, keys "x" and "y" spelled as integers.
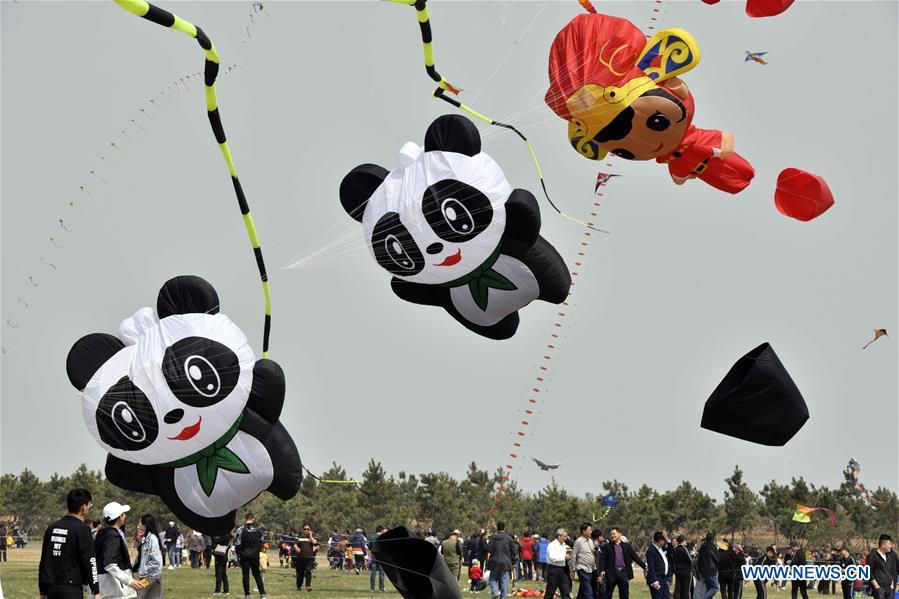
{"x": 185, "y": 410}
{"x": 454, "y": 233}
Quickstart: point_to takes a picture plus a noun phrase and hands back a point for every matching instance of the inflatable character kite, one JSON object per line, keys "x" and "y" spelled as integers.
{"x": 454, "y": 233}
{"x": 184, "y": 409}
{"x": 620, "y": 94}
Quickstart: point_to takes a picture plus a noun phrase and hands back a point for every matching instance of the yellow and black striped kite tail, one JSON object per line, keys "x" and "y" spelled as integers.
{"x": 444, "y": 86}
{"x": 166, "y": 19}
{"x": 424, "y": 23}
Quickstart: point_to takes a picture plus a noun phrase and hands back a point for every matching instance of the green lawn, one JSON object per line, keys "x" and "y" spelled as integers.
{"x": 19, "y": 579}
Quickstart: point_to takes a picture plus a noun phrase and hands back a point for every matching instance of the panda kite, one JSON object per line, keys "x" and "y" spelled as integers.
{"x": 453, "y": 232}
{"x": 184, "y": 409}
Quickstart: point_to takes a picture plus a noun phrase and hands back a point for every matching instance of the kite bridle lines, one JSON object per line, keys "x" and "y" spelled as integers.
{"x": 166, "y": 19}
{"x": 444, "y": 86}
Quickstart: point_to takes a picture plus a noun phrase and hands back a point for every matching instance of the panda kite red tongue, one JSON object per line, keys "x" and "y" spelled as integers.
{"x": 188, "y": 432}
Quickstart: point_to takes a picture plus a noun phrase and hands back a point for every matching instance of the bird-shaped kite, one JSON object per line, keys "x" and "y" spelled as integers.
{"x": 756, "y": 57}
{"x": 544, "y": 466}
{"x": 602, "y": 179}
{"x": 878, "y": 333}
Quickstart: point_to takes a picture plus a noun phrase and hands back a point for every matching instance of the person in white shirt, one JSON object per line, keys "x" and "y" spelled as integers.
{"x": 558, "y": 575}
{"x": 659, "y": 567}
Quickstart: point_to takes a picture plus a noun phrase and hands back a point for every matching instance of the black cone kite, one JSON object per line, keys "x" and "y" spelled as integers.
{"x": 414, "y": 566}
{"x": 756, "y": 401}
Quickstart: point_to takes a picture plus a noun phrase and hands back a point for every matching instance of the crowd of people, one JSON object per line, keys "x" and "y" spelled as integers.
{"x": 79, "y": 553}
{"x": 680, "y": 568}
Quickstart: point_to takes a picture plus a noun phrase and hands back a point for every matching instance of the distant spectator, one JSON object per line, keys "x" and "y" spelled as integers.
{"x": 618, "y": 560}
{"x": 476, "y": 577}
{"x": 707, "y": 567}
{"x": 195, "y": 547}
{"x": 527, "y": 556}
{"x": 451, "y": 549}
{"x": 558, "y": 575}
{"x": 683, "y": 569}
{"x": 583, "y": 562}
{"x": 358, "y": 544}
{"x": 171, "y": 545}
{"x": 249, "y": 544}
{"x": 376, "y": 567}
{"x": 542, "y": 545}
{"x": 221, "y": 546}
{"x": 884, "y": 568}
{"x": 797, "y": 558}
{"x": 502, "y": 552}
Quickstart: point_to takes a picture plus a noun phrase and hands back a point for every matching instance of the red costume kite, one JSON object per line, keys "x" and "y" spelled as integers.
{"x": 620, "y": 94}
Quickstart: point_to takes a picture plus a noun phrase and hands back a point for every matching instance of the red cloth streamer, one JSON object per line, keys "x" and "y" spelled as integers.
{"x": 802, "y": 195}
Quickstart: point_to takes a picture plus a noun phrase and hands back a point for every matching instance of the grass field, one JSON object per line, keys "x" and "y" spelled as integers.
{"x": 19, "y": 579}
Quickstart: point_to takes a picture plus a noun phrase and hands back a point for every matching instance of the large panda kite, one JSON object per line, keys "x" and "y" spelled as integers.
{"x": 184, "y": 409}
{"x": 453, "y": 232}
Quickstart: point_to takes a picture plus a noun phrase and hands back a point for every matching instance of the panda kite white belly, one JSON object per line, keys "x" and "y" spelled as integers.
{"x": 231, "y": 488}
{"x": 501, "y": 302}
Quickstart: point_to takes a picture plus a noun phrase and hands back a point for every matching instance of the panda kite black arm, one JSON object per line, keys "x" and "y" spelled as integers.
{"x": 267, "y": 393}
{"x": 130, "y": 476}
{"x": 415, "y": 293}
{"x": 523, "y": 217}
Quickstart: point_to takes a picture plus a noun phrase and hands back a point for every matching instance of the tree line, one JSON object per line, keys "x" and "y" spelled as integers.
{"x": 438, "y": 501}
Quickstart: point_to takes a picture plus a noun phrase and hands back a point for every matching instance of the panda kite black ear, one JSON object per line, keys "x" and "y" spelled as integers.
{"x": 453, "y": 133}
{"x": 187, "y": 294}
{"x": 88, "y": 354}
{"x": 358, "y": 186}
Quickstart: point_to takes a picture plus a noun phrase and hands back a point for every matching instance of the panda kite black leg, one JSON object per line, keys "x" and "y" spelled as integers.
{"x": 287, "y": 467}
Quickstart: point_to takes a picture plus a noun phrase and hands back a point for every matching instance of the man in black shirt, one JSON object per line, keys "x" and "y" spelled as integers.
{"x": 248, "y": 546}
{"x": 707, "y": 566}
{"x": 67, "y": 553}
{"x": 884, "y": 568}
{"x": 797, "y": 558}
{"x": 683, "y": 569}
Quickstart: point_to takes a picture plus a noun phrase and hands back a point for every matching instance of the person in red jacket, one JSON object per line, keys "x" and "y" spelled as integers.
{"x": 476, "y": 577}
{"x": 527, "y": 556}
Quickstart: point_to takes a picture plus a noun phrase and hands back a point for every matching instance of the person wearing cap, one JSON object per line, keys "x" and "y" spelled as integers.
{"x": 358, "y": 544}
{"x": 451, "y": 548}
{"x": 67, "y": 555}
{"x": 171, "y": 545}
{"x": 113, "y": 559}
{"x": 620, "y": 94}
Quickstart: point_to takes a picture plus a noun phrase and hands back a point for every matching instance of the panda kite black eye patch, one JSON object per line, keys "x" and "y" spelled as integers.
{"x": 456, "y": 211}
{"x": 125, "y": 417}
{"x": 200, "y": 372}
